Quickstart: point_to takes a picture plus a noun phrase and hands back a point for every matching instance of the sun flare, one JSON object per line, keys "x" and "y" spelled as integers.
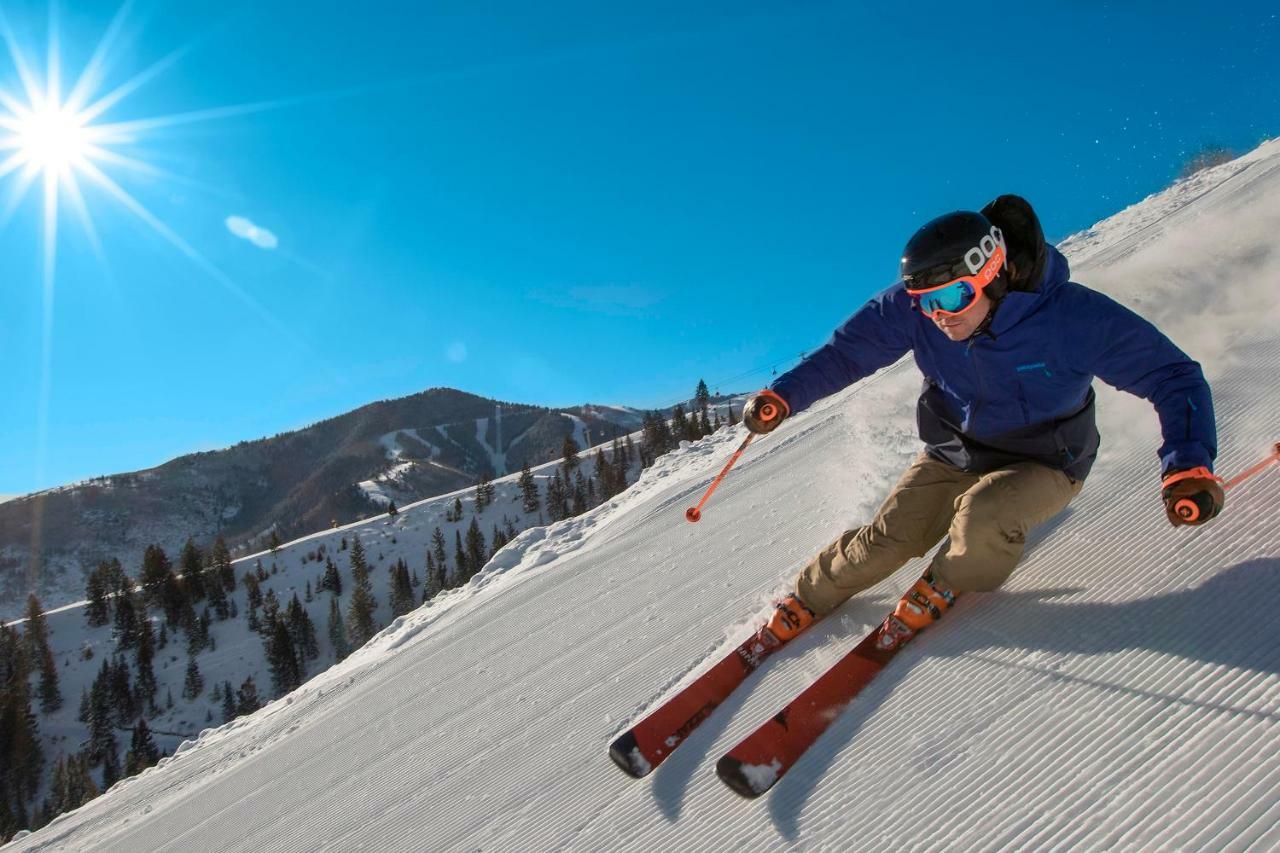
{"x": 52, "y": 139}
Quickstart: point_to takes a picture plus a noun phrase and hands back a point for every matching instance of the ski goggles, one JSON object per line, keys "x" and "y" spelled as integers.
{"x": 955, "y": 295}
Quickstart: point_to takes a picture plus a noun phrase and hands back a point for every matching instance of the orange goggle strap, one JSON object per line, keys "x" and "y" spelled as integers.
{"x": 1201, "y": 472}
{"x": 772, "y": 398}
{"x": 979, "y": 280}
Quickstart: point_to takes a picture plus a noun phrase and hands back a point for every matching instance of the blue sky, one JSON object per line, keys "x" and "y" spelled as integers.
{"x": 552, "y": 203}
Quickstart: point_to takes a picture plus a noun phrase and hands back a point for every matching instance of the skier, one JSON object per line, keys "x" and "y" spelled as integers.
{"x": 1009, "y": 347}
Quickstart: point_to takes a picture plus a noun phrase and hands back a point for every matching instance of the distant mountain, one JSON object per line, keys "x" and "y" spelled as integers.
{"x": 338, "y": 470}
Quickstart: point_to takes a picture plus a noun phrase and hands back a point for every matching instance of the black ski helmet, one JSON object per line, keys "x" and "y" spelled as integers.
{"x": 950, "y": 247}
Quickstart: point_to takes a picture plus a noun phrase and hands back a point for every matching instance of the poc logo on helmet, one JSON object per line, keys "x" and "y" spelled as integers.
{"x": 976, "y": 258}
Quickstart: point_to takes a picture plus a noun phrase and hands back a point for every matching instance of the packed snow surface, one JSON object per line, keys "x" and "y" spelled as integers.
{"x": 1121, "y": 691}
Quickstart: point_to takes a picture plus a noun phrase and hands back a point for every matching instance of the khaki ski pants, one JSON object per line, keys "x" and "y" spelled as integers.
{"x": 986, "y": 518}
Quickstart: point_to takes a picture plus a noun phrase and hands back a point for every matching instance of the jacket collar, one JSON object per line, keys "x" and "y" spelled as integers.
{"x": 1018, "y": 304}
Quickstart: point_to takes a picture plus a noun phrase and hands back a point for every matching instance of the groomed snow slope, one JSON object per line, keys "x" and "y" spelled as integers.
{"x": 1121, "y": 692}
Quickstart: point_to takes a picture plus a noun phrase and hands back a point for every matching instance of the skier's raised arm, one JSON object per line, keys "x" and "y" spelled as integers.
{"x": 875, "y": 336}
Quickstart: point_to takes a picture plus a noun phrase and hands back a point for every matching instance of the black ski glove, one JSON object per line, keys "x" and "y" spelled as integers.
{"x": 764, "y": 412}
{"x": 1191, "y": 497}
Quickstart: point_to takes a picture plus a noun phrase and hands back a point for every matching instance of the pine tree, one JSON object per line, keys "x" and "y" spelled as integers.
{"x": 733, "y": 419}
{"x": 360, "y": 624}
{"x": 460, "y": 575}
{"x": 302, "y": 632}
{"x": 282, "y": 659}
{"x": 528, "y": 489}
{"x": 102, "y": 718}
{"x": 569, "y": 456}
{"x": 332, "y": 581}
{"x": 220, "y": 562}
{"x": 308, "y": 597}
{"x": 657, "y": 436}
{"x": 476, "y": 553}
{"x": 21, "y": 754}
{"x": 496, "y": 541}
{"x": 216, "y": 577}
{"x": 247, "y": 700}
{"x": 174, "y": 601}
{"x": 143, "y": 752}
{"x": 98, "y": 611}
{"x": 701, "y": 398}
{"x": 124, "y": 701}
{"x": 193, "y": 684}
{"x": 557, "y": 498}
{"x": 704, "y": 425}
{"x": 337, "y": 631}
{"x": 191, "y": 567}
{"x": 683, "y": 427}
{"x": 621, "y": 465}
{"x": 196, "y": 639}
{"x": 392, "y": 511}
{"x": 110, "y": 765}
{"x": 579, "y": 495}
{"x": 270, "y": 609}
{"x": 229, "y": 712}
{"x": 275, "y": 542}
{"x": 143, "y": 660}
{"x": 435, "y": 579}
{"x": 156, "y": 571}
{"x": 71, "y": 785}
{"x": 437, "y": 549}
{"x": 485, "y": 491}
{"x": 605, "y": 473}
{"x": 125, "y": 628}
{"x": 401, "y": 589}
{"x": 252, "y": 589}
{"x": 37, "y": 640}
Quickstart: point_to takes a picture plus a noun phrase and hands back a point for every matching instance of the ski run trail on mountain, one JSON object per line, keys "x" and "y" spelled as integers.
{"x": 1122, "y": 691}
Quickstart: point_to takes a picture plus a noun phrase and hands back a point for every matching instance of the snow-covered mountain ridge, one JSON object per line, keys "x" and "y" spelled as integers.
{"x": 1120, "y": 692}
{"x": 340, "y": 469}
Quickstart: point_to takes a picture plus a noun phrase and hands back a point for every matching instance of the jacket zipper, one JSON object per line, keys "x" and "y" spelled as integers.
{"x": 977, "y": 375}
{"x": 1022, "y": 401}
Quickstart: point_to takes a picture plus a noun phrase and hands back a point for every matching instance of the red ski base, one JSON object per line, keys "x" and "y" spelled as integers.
{"x": 753, "y": 767}
{"x": 648, "y": 743}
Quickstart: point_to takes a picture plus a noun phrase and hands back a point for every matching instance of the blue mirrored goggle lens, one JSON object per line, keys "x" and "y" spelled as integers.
{"x": 954, "y": 297}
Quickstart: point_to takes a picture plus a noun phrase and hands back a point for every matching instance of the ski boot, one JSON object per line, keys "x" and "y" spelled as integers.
{"x": 920, "y": 607}
{"x": 790, "y": 616}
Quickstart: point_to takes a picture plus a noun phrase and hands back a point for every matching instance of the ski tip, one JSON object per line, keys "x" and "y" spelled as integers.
{"x": 626, "y": 754}
{"x": 739, "y": 777}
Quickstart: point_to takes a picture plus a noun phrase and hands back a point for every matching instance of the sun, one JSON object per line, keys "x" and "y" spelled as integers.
{"x": 52, "y": 139}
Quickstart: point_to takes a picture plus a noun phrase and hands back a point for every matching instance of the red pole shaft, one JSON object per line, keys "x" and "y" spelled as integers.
{"x": 694, "y": 513}
{"x": 1240, "y": 478}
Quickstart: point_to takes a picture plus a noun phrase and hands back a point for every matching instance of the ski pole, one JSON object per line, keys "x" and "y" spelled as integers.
{"x": 1190, "y": 510}
{"x": 694, "y": 513}
{"x": 1240, "y": 478}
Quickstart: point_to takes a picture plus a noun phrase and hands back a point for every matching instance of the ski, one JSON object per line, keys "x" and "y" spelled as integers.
{"x": 649, "y": 742}
{"x": 753, "y": 766}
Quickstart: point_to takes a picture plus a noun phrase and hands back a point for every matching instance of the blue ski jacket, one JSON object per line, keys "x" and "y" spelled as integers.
{"x": 1021, "y": 390}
